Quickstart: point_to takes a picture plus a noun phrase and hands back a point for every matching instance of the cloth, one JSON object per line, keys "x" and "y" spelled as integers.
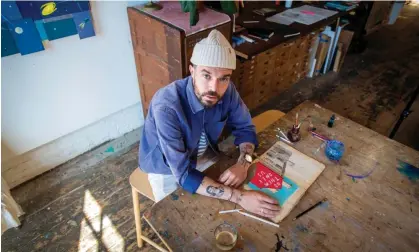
{"x": 174, "y": 124}
{"x": 214, "y": 51}
{"x": 162, "y": 185}
{"x": 203, "y": 143}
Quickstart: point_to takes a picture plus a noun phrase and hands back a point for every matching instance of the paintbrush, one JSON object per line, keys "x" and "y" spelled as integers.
{"x": 284, "y": 139}
{"x": 321, "y": 137}
{"x": 282, "y": 133}
{"x": 310, "y": 208}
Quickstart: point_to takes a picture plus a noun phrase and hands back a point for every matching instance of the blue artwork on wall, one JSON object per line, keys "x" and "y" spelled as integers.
{"x": 25, "y": 24}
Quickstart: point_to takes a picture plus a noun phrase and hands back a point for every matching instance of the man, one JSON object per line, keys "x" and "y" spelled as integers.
{"x": 184, "y": 121}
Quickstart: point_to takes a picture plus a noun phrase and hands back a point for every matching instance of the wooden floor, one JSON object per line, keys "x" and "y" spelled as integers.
{"x": 85, "y": 204}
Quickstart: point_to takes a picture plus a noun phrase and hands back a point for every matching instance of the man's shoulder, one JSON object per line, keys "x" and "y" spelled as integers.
{"x": 170, "y": 95}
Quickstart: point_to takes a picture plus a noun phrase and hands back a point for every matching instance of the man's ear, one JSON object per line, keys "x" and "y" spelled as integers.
{"x": 191, "y": 69}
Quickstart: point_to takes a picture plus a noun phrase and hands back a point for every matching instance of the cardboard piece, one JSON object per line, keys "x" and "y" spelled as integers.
{"x": 300, "y": 173}
{"x": 84, "y": 24}
{"x": 46, "y": 9}
{"x": 26, "y": 36}
{"x": 266, "y": 178}
{"x": 8, "y": 46}
{"x": 345, "y": 38}
{"x": 60, "y": 28}
{"x": 321, "y": 53}
{"x": 30, "y": 9}
{"x": 9, "y": 11}
{"x": 40, "y": 27}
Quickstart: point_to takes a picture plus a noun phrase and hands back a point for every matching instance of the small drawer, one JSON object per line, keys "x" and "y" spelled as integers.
{"x": 246, "y": 87}
{"x": 249, "y": 100}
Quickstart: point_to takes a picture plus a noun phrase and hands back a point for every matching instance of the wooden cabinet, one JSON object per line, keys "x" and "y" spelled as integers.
{"x": 271, "y": 72}
{"x": 163, "y": 43}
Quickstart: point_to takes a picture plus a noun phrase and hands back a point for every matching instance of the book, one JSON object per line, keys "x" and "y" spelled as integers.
{"x": 307, "y": 14}
{"x": 264, "y": 11}
{"x": 297, "y": 170}
{"x": 261, "y": 33}
{"x": 341, "y": 6}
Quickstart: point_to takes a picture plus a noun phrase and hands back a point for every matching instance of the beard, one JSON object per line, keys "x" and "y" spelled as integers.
{"x": 200, "y": 96}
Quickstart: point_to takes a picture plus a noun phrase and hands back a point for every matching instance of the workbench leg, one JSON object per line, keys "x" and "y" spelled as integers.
{"x": 137, "y": 216}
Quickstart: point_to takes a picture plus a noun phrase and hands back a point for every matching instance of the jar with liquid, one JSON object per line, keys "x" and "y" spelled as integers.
{"x": 225, "y": 237}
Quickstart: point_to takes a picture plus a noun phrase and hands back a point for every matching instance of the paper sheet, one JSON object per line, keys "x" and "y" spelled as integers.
{"x": 305, "y": 14}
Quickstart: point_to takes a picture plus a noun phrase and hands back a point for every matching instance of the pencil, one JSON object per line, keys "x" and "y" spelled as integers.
{"x": 309, "y": 209}
{"x": 229, "y": 211}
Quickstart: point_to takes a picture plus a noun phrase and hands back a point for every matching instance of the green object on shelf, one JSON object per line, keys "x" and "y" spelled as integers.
{"x": 190, "y": 6}
{"x": 228, "y": 7}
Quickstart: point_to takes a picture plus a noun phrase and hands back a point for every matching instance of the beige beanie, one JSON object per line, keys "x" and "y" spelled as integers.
{"x": 214, "y": 51}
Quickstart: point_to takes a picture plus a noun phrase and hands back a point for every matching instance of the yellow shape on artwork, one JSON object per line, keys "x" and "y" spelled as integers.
{"x": 48, "y": 8}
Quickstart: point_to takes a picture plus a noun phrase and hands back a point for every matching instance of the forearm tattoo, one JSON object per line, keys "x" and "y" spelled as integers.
{"x": 215, "y": 191}
{"x": 239, "y": 198}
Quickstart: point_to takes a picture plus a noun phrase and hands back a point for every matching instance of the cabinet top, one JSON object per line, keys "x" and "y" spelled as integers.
{"x": 172, "y": 13}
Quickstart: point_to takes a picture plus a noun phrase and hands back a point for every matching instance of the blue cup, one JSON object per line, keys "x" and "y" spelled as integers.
{"x": 334, "y": 150}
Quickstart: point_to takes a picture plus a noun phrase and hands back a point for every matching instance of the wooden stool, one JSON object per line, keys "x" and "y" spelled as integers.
{"x": 140, "y": 184}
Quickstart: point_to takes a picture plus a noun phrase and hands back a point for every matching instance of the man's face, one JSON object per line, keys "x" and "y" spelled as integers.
{"x": 210, "y": 83}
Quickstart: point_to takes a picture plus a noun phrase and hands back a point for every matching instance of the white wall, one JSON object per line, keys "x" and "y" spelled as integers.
{"x": 72, "y": 84}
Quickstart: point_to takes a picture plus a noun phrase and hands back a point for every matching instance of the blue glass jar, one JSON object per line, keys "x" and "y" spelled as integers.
{"x": 334, "y": 150}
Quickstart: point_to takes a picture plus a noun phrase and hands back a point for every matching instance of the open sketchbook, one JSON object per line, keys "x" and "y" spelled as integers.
{"x": 297, "y": 170}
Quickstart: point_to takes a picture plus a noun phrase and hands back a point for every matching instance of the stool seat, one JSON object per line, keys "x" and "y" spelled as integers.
{"x": 139, "y": 181}
{"x": 264, "y": 120}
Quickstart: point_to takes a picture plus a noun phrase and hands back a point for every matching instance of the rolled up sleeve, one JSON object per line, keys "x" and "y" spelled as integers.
{"x": 240, "y": 121}
{"x": 174, "y": 150}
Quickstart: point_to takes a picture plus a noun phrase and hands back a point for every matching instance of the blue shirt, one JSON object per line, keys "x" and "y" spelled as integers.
{"x": 174, "y": 124}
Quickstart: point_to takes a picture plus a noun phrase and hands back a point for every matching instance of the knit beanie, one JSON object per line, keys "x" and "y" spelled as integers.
{"x": 214, "y": 51}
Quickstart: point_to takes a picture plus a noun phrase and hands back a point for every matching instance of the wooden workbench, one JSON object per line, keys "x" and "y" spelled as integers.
{"x": 377, "y": 213}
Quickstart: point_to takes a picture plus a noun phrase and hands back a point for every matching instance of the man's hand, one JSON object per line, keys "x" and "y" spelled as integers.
{"x": 235, "y": 175}
{"x": 257, "y": 202}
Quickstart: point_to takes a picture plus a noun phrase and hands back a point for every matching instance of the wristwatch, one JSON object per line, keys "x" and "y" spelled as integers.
{"x": 248, "y": 158}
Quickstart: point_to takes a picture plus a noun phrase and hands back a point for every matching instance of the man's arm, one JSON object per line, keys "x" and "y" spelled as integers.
{"x": 252, "y": 201}
{"x": 176, "y": 157}
{"x": 240, "y": 121}
{"x": 173, "y": 148}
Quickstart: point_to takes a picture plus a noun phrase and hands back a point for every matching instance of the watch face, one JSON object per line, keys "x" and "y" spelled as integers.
{"x": 248, "y": 158}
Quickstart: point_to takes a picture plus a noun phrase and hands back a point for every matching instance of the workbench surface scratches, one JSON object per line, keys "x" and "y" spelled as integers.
{"x": 377, "y": 213}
